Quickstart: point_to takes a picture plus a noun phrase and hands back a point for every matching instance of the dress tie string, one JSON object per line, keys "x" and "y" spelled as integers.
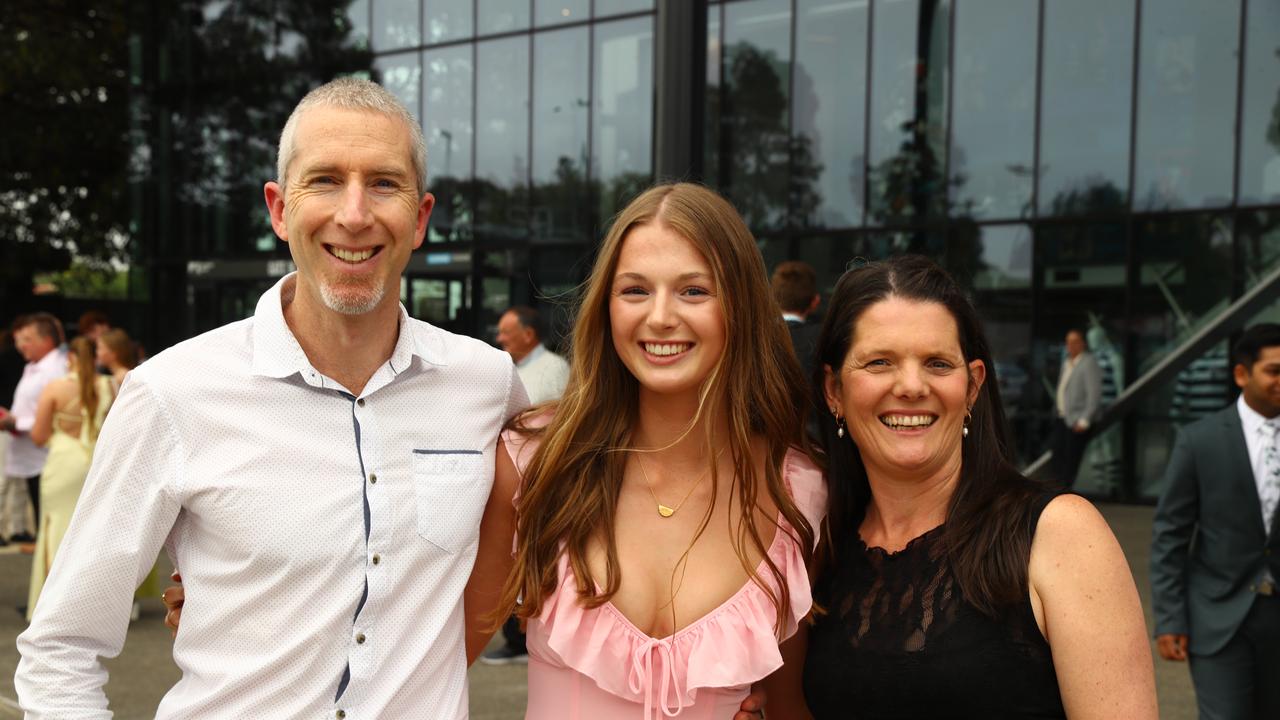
{"x": 640, "y": 679}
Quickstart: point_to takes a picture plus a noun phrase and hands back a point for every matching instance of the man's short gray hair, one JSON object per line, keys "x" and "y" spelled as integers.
{"x": 352, "y": 93}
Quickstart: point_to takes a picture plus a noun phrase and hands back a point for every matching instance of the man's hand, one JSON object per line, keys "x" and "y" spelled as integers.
{"x": 173, "y": 598}
{"x": 1172, "y": 647}
{"x": 752, "y": 707}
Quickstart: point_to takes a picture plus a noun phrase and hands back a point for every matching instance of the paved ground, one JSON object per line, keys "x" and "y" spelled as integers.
{"x": 144, "y": 671}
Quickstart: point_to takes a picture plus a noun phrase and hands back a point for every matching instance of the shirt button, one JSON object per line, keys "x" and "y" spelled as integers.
{"x": 377, "y": 558}
{"x": 341, "y": 714}
{"x": 360, "y": 402}
{"x": 359, "y": 638}
{"x": 373, "y": 478}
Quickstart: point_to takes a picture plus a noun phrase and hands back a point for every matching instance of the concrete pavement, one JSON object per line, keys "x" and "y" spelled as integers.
{"x": 144, "y": 670}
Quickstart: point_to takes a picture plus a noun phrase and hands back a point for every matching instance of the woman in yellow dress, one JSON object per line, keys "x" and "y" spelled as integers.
{"x": 68, "y": 416}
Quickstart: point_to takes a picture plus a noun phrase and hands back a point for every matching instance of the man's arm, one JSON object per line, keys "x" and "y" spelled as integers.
{"x": 1172, "y": 528}
{"x": 123, "y": 516}
{"x": 493, "y": 559}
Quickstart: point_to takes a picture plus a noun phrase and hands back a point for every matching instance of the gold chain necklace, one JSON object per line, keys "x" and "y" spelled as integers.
{"x": 663, "y": 510}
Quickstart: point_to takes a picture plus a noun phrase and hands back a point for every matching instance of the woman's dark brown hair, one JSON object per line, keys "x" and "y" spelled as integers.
{"x": 986, "y": 538}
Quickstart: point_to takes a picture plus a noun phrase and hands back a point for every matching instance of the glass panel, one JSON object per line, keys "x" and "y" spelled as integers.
{"x": 832, "y": 255}
{"x": 1082, "y": 272}
{"x": 502, "y": 137}
{"x": 495, "y": 16}
{"x": 444, "y": 20}
{"x": 1186, "y": 103}
{"x": 908, "y": 110}
{"x": 1260, "y": 121}
{"x": 1000, "y": 257}
{"x": 614, "y": 7}
{"x": 441, "y": 302}
{"x": 714, "y": 117}
{"x": 395, "y": 24}
{"x": 1085, "y": 100}
{"x": 1259, "y": 237}
{"x": 402, "y": 75}
{"x": 829, "y": 110}
{"x": 757, "y": 82}
{"x": 446, "y": 92}
{"x": 560, "y": 63}
{"x": 358, "y": 20}
{"x": 993, "y": 131}
{"x": 1184, "y": 280}
{"x": 622, "y": 124}
{"x": 555, "y": 12}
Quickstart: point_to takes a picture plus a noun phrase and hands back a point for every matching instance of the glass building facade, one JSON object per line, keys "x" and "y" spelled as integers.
{"x": 1111, "y": 165}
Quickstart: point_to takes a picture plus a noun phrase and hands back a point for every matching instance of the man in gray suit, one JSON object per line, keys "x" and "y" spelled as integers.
{"x": 1215, "y": 551}
{"x": 1079, "y": 399}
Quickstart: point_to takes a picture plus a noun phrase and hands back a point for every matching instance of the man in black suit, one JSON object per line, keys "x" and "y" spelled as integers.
{"x": 1215, "y": 554}
{"x": 795, "y": 287}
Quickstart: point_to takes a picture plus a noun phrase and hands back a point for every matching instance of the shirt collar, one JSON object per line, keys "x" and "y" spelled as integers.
{"x": 533, "y": 355}
{"x": 1251, "y": 420}
{"x": 276, "y": 352}
{"x": 54, "y": 360}
{"x": 792, "y": 317}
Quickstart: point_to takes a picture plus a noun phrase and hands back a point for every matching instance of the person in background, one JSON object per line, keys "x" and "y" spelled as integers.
{"x": 1215, "y": 548}
{"x": 118, "y": 354}
{"x": 544, "y": 373}
{"x": 92, "y": 324}
{"x": 69, "y": 415}
{"x": 953, "y": 585}
{"x": 39, "y": 339}
{"x": 1079, "y": 400}
{"x": 795, "y": 287}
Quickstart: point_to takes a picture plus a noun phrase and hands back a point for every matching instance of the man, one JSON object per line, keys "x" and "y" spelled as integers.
{"x": 38, "y": 338}
{"x": 795, "y": 287}
{"x": 1079, "y": 401}
{"x": 318, "y": 472}
{"x": 543, "y": 372}
{"x": 1215, "y": 551}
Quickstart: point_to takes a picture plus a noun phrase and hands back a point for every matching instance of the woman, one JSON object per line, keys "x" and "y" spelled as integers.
{"x": 954, "y": 587}
{"x": 666, "y": 510}
{"x": 118, "y": 354}
{"x": 69, "y": 414}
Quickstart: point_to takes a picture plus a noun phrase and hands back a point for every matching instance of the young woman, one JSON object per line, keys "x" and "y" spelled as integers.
{"x": 667, "y": 509}
{"x": 68, "y": 416}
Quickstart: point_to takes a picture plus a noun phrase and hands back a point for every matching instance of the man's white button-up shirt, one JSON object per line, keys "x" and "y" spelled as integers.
{"x": 324, "y": 539}
{"x": 25, "y": 458}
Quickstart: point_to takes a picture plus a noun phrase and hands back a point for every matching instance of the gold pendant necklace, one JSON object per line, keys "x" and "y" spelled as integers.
{"x": 664, "y": 510}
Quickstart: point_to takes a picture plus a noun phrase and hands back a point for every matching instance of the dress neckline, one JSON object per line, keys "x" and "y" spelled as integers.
{"x": 920, "y": 539}
{"x": 782, "y": 529}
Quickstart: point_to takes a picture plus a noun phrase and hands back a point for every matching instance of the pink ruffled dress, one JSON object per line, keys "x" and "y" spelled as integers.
{"x": 594, "y": 664}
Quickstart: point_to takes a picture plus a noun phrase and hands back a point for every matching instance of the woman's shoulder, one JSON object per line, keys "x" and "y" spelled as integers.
{"x": 807, "y": 484}
{"x": 523, "y": 434}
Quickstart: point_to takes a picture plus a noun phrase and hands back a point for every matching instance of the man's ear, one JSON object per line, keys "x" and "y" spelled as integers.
{"x": 273, "y": 193}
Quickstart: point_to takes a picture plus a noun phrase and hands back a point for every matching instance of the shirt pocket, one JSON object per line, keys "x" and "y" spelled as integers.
{"x": 451, "y": 488}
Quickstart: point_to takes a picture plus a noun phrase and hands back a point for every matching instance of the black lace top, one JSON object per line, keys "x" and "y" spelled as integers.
{"x": 899, "y": 641}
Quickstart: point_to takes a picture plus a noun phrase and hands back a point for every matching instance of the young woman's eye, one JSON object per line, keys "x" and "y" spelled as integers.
{"x": 633, "y": 290}
{"x": 697, "y": 292}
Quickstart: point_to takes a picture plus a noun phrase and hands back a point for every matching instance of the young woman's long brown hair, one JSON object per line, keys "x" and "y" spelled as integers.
{"x": 572, "y": 482}
{"x": 82, "y": 353}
